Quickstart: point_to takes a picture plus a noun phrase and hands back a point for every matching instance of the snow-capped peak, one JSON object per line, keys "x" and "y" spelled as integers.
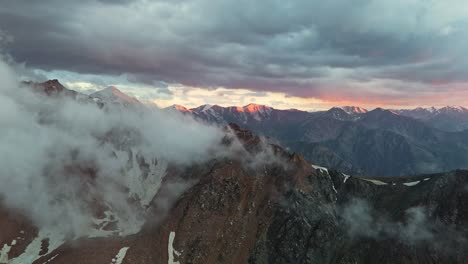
{"x": 354, "y": 109}
{"x": 202, "y": 108}
{"x": 252, "y": 108}
{"x": 179, "y": 108}
{"x": 459, "y": 109}
{"x": 113, "y": 95}
{"x": 432, "y": 109}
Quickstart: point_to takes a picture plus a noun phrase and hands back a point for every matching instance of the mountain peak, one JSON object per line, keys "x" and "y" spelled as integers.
{"x": 256, "y": 108}
{"x": 112, "y": 89}
{"x": 51, "y": 88}
{"x": 338, "y": 113}
{"x": 203, "y": 108}
{"x": 53, "y": 84}
{"x": 179, "y": 108}
{"x": 114, "y": 95}
{"x": 453, "y": 108}
{"x": 381, "y": 111}
{"x": 354, "y": 109}
{"x": 336, "y": 109}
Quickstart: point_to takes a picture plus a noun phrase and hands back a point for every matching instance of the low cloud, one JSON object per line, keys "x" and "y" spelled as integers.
{"x": 61, "y": 160}
{"x": 65, "y": 162}
{"x": 417, "y": 227}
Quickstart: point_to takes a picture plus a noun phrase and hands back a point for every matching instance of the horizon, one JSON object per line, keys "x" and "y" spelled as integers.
{"x": 197, "y": 52}
{"x": 253, "y": 103}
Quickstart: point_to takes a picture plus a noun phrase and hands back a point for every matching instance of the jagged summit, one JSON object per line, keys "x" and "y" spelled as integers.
{"x": 338, "y": 113}
{"x": 380, "y": 110}
{"x": 53, "y": 88}
{"x": 180, "y": 108}
{"x": 459, "y": 109}
{"x": 255, "y": 108}
{"x": 205, "y": 107}
{"x": 354, "y": 109}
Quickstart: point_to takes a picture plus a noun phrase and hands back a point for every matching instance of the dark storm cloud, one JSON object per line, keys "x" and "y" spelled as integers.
{"x": 302, "y": 48}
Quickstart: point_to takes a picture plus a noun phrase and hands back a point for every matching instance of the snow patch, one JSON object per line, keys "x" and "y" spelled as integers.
{"x": 143, "y": 185}
{"x": 206, "y": 107}
{"x": 354, "y": 109}
{"x": 120, "y": 256}
{"x": 411, "y": 183}
{"x": 101, "y": 224}
{"x": 426, "y": 179}
{"x": 376, "y": 182}
{"x": 33, "y": 250}
{"x": 4, "y": 252}
{"x": 144, "y": 188}
{"x": 332, "y": 184}
{"x": 113, "y": 95}
{"x": 170, "y": 249}
{"x": 52, "y": 258}
{"x": 322, "y": 169}
{"x": 334, "y": 189}
{"x": 346, "y": 177}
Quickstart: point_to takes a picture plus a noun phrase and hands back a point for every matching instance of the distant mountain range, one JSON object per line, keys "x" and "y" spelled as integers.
{"x": 449, "y": 118}
{"x": 355, "y": 140}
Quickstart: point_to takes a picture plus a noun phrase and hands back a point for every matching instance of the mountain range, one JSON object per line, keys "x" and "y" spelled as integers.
{"x": 379, "y": 142}
{"x": 448, "y": 118}
{"x": 258, "y": 204}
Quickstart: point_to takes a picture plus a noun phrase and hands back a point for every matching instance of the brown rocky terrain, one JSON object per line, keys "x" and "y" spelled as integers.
{"x": 263, "y": 205}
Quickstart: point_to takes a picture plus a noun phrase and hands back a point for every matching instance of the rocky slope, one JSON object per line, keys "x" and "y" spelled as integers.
{"x": 277, "y": 212}
{"x": 258, "y": 204}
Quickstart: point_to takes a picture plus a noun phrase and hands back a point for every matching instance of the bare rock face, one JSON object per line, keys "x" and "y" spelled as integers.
{"x": 52, "y": 88}
{"x": 280, "y": 214}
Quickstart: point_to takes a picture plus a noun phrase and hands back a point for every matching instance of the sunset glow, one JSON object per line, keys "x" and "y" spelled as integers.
{"x": 201, "y": 55}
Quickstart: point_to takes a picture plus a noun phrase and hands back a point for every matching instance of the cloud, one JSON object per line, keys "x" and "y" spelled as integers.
{"x": 417, "y": 227}
{"x": 61, "y": 160}
{"x": 65, "y": 162}
{"x": 301, "y": 48}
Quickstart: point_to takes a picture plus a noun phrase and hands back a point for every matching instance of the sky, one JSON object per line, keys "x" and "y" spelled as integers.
{"x": 303, "y": 54}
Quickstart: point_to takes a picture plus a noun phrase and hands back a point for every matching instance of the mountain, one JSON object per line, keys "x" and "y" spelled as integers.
{"x": 354, "y": 110}
{"x": 281, "y": 211}
{"x": 378, "y": 142}
{"x": 382, "y": 142}
{"x": 339, "y": 113}
{"x": 112, "y": 95}
{"x": 53, "y": 88}
{"x": 251, "y": 202}
{"x": 178, "y": 108}
{"x": 418, "y": 113}
{"x": 247, "y": 114}
{"x": 449, "y": 118}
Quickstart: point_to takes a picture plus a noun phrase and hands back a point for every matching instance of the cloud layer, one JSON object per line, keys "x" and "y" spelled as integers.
{"x": 61, "y": 161}
{"x": 332, "y": 50}
{"x": 417, "y": 228}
